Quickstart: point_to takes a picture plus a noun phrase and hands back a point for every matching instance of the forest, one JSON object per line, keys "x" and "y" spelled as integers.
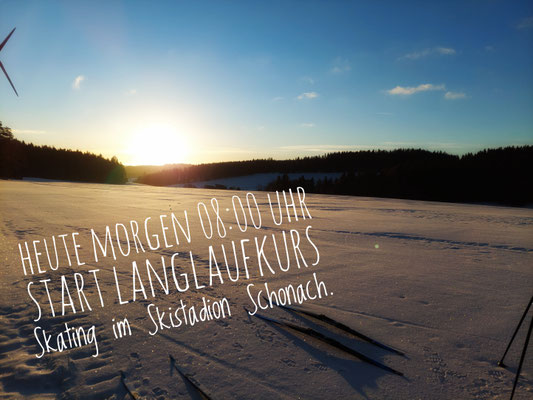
{"x": 501, "y": 175}
{"x": 19, "y": 159}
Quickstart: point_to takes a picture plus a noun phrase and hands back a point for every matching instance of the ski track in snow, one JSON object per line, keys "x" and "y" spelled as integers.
{"x": 405, "y": 236}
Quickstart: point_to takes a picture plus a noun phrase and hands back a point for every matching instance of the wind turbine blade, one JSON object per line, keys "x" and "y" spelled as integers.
{"x": 8, "y": 78}
{"x": 6, "y": 39}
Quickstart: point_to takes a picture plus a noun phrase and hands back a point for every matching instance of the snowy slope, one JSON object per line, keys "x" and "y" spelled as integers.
{"x": 445, "y": 283}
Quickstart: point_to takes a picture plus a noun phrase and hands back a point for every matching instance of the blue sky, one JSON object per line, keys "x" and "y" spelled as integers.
{"x": 159, "y": 82}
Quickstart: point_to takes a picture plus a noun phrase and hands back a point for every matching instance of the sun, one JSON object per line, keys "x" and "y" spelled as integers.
{"x": 157, "y": 144}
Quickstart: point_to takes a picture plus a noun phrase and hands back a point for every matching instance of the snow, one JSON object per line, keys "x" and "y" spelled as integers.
{"x": 445, "y": 283}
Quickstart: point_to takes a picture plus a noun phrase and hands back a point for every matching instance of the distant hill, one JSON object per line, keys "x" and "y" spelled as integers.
{"x": 19, "y": 159}
{"x": 135, "y": 171}
{"x": 500, "y": 175}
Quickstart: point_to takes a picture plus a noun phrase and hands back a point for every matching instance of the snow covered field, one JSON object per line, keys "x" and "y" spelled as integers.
{"x": 445, "y": 283}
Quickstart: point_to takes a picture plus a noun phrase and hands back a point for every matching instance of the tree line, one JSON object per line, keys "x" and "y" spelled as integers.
{"x": 497, "y": 175}
{"x": 19, "y": 159}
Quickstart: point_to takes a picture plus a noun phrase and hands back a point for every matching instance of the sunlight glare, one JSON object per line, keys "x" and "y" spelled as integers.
{"x": 157, "y": 144}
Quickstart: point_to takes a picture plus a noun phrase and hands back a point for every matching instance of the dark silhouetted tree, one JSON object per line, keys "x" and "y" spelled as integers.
{"x": 19, "y": 159}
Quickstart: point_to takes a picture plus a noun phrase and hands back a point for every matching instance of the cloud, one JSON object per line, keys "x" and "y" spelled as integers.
{"x": 328, "y": 148}
{"x": 416, "y": 55}
{"x": 131, "y": 92}
{"x": 308, "y": 95}
{"x": 340, "y": 66}
{"x": 425, "y": 87}
{"x": 307, "y": 79}
{"x": 278, "y": 98}
{"x": 340, "y": 70}
{"x": 307, "y": 125}
{"x": 526, "y": 23}
{"x": 28, "y": 131}
{"x": 489, "y": 49}
{"x": 76, "y": 84}
{"x": 219, "y": 150}
{"x": 446, "y": 51}
{"x": 454, "y": 95}
{"x": 324, "y": 147}
{"x": 423, "y": 145}
{"x": 409, "y": 90}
